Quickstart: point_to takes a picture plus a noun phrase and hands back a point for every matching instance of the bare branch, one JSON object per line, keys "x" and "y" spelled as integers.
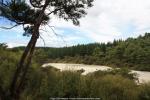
{"x": 57, "y": 34}
{"x": 46, "y": 31}
{"x": 9, "y": 27}
{"x": 43, "y": 30}
{"x": 52, "y": 30}
{"x": 42, "y": 40}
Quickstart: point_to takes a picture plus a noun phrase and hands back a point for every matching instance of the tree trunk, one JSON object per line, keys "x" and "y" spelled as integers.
{"x": 23, "y": 77}
{"x": 22, "y": 68}
{"x": 21, "y": 71}
{"x": 20, "y": 65}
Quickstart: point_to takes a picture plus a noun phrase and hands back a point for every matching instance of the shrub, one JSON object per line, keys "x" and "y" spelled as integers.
{"x": 145, "y": 92}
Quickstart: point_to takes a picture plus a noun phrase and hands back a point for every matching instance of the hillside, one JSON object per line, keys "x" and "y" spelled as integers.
{"x": 44, "y": 83}
{"x": 133, "y": 53}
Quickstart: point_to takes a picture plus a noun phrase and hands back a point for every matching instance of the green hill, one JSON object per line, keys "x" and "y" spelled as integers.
{"x": 133, "y": 53}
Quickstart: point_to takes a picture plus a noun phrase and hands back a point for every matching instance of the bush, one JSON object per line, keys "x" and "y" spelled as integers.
{"x": 114, "y": 87}
{"x": 48, "y": 82}
{"x": 124, "y": 72}
{"x": 145, "y": 92}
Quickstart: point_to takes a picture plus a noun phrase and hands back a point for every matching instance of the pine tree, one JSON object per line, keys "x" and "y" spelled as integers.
{"x": 32, "y": 15}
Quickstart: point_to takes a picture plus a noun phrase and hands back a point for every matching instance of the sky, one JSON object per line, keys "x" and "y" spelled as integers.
{"x": 106, "y": 20}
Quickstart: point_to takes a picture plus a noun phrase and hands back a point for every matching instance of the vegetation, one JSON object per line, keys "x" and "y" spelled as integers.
{"x": 45, "y": 83}
{"x": 133, "y": 53}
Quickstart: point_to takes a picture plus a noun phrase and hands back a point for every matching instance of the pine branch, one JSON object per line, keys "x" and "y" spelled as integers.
{"x": 54, "y": 11}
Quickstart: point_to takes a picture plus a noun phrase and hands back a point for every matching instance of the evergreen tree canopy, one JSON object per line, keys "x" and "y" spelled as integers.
{"x": 26, "y": 13}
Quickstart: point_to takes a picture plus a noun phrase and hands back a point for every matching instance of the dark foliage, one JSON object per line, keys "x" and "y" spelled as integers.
{"x": 133, "y": 53}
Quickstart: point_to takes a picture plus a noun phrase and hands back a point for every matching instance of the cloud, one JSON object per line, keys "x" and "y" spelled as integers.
{"x": 106, "y": 20}
{"x": 113, "y": 19}
{"x": 61, "y": 36}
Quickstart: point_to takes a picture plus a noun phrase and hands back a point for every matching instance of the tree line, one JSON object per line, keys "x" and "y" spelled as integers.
{"x": 133, "y": 53}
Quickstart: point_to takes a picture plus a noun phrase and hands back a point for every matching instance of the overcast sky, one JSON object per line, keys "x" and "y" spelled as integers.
{"x": 106, "y": 20}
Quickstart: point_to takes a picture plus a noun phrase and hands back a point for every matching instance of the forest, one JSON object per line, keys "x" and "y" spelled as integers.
{"x": 132, "y": 53}
{"x": 45, "y": 83}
